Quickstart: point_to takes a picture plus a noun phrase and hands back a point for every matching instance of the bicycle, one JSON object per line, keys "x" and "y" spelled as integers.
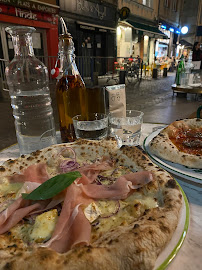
{"x": 132, "y": 72}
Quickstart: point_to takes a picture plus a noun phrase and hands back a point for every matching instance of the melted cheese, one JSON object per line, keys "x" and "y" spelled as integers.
{"x": 130, "y": 209}
{"x": 7, "y": 188}
{"x": 44, "y": 226}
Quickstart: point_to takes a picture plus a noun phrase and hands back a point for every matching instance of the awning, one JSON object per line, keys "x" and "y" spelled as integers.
{"x": 185, "y": 43}
{"x": 146, "y": 28}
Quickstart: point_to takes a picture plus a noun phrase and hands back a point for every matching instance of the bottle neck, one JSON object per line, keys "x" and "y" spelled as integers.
{"x": 67, "y": 64}
{"x": 23, "y": 45}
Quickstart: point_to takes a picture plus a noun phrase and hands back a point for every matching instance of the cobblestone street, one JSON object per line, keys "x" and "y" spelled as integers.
{"x": 153, "y": 97}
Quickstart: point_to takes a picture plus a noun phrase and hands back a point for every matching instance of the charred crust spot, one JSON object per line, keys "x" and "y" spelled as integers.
{"x": 146, "y": 211}
{"x": 171, "y": 184}
{"x": 150, "y": 232}
{"x": 151, "y": 218}
{"x": 80, "y": 254}
{"x": 49, "y": 149}
{"x": 44, "y": 255}
{"x": 136, "y": 226}
{"x": 150, "y": 164}
{"x": 162, "y": 217}
{"x": 38, "y": 161}
{"x": 82, "y": 147}
{"x": 160, "y": 170}
{"x": 180, "y": 196}
{"x": 164, "y": 229}
{"x": 12, "y": 246}
{"x": 89, "y": 249}
{"x": 65, "y": 262}
{"x": 143, "y": 157}
{"x": 8, "y": 233}
{"x": 135, "y": 233}
{"x": 8, "y": 266}
{"x": 11, "y": 161}
{"x": 30, "y": 158}
{"x": 110, "y": 242}
{"x": 136, "y": 205}
{"x": 36, "y": 153}
{"x": 2, "y": 169}
{"x": 22, "y": 156}
{"x": 21, "y": 167}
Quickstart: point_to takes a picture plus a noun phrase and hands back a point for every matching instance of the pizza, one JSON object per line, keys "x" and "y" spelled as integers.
{"x": 85, "y": 205}
{"x": 180, "y": 142}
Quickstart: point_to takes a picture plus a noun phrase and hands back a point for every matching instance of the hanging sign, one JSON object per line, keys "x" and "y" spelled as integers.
{"x": 124, "y": 13}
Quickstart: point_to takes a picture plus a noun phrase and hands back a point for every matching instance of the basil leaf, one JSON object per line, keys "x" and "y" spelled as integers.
{"x": 52, "y": 187}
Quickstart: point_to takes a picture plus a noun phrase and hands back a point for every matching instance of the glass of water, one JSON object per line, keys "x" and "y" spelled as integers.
{"x": 126, "y": 130}
{"x": 94, "y": 126}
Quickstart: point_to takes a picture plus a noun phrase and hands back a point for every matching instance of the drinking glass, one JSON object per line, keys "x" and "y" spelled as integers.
{"x": 94, "y": 126}
{"x": 127, "y": 130}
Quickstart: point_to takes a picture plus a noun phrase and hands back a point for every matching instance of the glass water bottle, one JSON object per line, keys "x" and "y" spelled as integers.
{"x": 28, "y": 82}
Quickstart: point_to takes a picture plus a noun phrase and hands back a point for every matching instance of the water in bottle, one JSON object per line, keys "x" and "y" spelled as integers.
{"x": 27, "y": 78}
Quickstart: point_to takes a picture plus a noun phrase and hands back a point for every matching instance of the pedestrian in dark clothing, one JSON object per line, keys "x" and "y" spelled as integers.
{"x": 197, "y": 53}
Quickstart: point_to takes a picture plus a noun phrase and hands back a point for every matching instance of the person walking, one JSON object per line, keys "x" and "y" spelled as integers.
{"x": 197, "y": 53}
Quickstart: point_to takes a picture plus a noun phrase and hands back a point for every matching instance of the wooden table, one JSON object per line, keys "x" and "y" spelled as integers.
{"x": 189, "y": 256}
{"x": 187, "y": 89}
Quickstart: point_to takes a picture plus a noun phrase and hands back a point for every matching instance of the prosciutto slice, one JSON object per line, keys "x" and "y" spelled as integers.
{"x": 121, "y": 188}
{"x": 21, "y": 208}
{"x": 91, "y": 171}
{"x": 72, "y": 227}
{"x": 34, "y": 173}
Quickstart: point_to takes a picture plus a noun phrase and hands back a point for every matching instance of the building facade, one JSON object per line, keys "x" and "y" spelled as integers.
{"x": 40, "y": 14}
{"x": 92, "y": 24}
{"x": 191, "y": 16}
{"x": 169, "y": 20}
{"x": 138, "y": 33}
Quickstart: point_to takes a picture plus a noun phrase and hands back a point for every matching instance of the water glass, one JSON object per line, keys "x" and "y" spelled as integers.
{"x": 127, "y": 130}
{"x": 94, "y": 126}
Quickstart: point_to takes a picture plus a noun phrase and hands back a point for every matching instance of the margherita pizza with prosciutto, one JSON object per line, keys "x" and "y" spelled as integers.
{"x": 180, "y": 142}
{"x": 85, "y": 205}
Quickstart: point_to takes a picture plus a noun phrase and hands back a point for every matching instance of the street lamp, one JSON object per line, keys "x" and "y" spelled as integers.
{"x": 184, "y": 30}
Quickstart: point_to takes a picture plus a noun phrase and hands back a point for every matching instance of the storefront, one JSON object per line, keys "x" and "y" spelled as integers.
{"x": 167, "y": 47}
{"x": 42, "y": 16}
{"x": 93, "y": 28}
{"x": 136, "y": 39}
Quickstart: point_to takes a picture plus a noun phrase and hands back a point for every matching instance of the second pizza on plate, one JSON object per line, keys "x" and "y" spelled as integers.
{"x": 180, "y": 142}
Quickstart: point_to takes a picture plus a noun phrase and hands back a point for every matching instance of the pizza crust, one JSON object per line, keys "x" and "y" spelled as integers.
{"x": 130, "y": 247}
{"x": 162, "y": 146}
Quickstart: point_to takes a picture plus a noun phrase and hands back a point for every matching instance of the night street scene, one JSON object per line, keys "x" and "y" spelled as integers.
{"x": 101, "y": 134}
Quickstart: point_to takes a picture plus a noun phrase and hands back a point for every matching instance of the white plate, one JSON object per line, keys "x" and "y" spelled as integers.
{"x": 172, "y": 248}
{"x": 195, "y": 84}
{"x": 194, "y": 175}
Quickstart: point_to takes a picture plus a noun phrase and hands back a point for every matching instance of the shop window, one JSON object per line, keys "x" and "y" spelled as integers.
{"x": 174, "y": 5}
{"x": 166, "y": 3}
{"x": 148, "y": 3}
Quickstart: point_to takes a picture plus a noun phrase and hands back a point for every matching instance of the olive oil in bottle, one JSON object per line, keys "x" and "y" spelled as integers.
{"x": 70, "y": 87}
